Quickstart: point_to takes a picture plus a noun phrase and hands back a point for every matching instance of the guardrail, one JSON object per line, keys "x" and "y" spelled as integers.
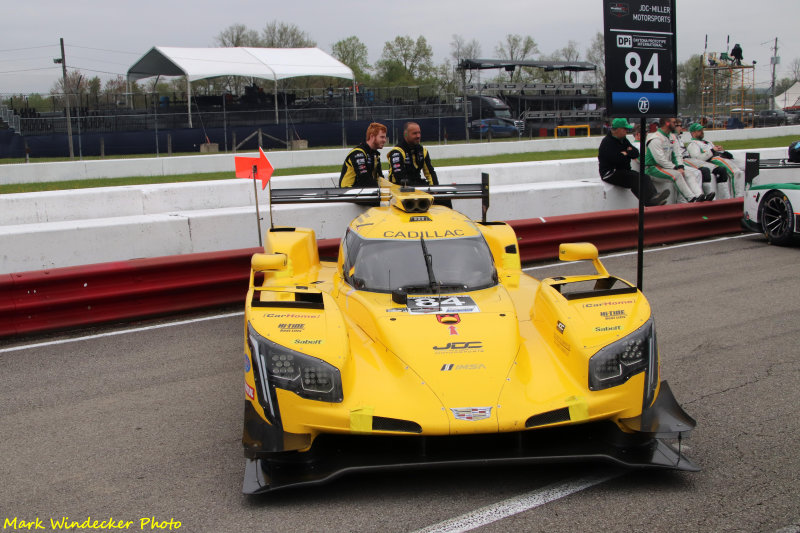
{"x": 87, "y": 295}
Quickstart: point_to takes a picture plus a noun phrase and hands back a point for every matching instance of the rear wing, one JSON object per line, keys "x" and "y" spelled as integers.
{"x": 754, "y": 164}
{"x": 375, "y": 195}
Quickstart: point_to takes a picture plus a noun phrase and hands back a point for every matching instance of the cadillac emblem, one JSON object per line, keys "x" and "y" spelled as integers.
{"x": 471, "y": 413}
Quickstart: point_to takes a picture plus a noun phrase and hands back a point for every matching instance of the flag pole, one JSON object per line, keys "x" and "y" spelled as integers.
{"x": 271, "y": 223}
{"x": 258, "y": 215}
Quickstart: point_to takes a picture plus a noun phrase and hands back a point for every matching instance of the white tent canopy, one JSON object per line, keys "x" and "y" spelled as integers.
{"x": 267, "y": 63}
{"x": 789, "y": 98}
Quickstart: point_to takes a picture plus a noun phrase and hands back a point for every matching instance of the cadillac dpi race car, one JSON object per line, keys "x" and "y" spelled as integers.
{"x": 770, "y": 202}
{"x": 426, "y": 344}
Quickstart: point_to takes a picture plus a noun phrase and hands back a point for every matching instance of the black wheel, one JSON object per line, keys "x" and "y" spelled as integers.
{"x": 777, "y": 218}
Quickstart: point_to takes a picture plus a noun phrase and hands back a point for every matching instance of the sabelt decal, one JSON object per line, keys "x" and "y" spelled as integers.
{"x": 607, "y": 328}
{"x": 308, "y": 341}
{"x": 249, "y": 391}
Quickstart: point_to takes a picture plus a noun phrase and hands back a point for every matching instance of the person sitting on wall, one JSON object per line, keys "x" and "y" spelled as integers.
{"x": 362, "y": 166}
{"x": 614, "y": 160}
{"x": 662, "y": 161}
{"x": 703, "y": 150}
{"x": 714, "y": 178}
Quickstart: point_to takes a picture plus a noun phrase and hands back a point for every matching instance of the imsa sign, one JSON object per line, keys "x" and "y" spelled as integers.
{"x": 641, "y": 66}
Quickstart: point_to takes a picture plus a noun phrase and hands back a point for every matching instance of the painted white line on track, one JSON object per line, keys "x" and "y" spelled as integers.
{"x": 659, "y": 249}
{"x": 518, "y": 504}
{"x": 215, "y": 317}
{"x": 120, "y": 332}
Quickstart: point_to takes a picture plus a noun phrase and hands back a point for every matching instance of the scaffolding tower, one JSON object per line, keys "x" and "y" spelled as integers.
{"x": 727, "y": 91}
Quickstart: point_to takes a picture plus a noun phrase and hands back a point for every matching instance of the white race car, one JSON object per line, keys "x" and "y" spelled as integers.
{"x": 772, "y": 202}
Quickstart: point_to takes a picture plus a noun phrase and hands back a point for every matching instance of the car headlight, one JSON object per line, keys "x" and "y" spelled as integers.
{"x": 284, "y": 368}
{"x": 615, "y": 364}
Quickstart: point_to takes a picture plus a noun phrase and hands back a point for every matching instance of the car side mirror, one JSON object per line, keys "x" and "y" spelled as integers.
{"x": 265, "y": 262}
{"x": 582, "y": 251}
{"x": 577, "y": 251}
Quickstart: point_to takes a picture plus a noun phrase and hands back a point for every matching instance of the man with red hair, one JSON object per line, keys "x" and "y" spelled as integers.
{"x": 362, "y": 166}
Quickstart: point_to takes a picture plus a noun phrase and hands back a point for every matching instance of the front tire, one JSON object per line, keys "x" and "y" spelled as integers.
{"x": 777, "y": 218}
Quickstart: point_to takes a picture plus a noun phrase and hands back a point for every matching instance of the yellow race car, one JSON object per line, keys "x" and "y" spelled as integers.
{"x": 426, "y": 344}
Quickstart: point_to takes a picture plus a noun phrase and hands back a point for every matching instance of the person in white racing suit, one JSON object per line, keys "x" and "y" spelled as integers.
{"x": 714, "y": 178}
{"x": 663, "y": 162}
{"x": 704, "y": 150}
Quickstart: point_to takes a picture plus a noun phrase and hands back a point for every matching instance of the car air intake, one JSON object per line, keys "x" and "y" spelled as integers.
{"x": 381, "y": 423}
{"x": 416, "y": 205}
{"x": 550, "y": 417}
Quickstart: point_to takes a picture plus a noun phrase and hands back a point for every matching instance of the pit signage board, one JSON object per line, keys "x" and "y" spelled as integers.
{"x": 641, "y": 66}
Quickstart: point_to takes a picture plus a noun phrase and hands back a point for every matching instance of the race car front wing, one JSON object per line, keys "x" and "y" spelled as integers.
{"x": 332, "y": 456}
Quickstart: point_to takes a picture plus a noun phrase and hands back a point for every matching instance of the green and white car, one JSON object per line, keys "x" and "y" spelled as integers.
{"x": 772, "y": 201}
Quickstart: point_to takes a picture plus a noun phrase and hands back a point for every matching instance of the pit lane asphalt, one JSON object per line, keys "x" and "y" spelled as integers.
{"x": 148, "y": 424}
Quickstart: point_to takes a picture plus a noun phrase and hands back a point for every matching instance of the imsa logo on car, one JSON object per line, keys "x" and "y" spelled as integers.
{"x": 452, "y": 366}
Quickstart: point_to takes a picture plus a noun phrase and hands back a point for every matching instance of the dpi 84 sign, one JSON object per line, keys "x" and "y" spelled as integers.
{"x": 641, "y": 78}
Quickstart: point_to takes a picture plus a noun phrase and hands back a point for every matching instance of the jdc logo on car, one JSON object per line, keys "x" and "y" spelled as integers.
{"x": 460, "y": 346}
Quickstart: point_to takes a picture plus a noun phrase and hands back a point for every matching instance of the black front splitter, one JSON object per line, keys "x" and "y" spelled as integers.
{"x": 333, "y": 456}
{"x": 644, "y": 444}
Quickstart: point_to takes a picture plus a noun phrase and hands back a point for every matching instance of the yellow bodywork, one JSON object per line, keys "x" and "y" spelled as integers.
{"x": 524, "y": 351}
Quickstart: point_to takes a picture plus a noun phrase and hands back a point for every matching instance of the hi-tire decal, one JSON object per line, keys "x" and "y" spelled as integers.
{"x": 441, "y": 304}
{"x": 614, "y": 314}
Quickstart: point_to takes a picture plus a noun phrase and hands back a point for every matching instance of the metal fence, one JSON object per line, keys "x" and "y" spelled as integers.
{"x": 11, "y": 119}
{"x": 101, "y": 122}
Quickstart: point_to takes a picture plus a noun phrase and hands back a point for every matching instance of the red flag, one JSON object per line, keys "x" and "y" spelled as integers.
{"x": 264, "y": 170}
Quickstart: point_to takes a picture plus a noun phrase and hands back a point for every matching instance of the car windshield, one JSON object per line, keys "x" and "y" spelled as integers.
{"x": 457, "y": 264}
{"x": 505, "y": 113}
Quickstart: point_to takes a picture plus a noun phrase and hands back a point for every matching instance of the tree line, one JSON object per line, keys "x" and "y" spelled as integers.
{"x": 404, "y": 61}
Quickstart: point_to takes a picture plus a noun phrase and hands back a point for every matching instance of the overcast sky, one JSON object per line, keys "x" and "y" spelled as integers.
{"x": 105, "y": 37}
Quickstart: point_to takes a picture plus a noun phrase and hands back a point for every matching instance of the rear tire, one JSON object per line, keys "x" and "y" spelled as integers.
{"x": 777, "y": 218}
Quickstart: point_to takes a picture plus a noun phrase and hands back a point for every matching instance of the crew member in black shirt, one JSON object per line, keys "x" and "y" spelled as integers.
{"x": 409, "y": 161}
{"x": 614, "y": 157}
{"x": 362, "y": 166}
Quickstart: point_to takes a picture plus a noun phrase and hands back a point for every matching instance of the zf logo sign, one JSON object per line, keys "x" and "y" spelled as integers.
{"x": 624, "y": 41}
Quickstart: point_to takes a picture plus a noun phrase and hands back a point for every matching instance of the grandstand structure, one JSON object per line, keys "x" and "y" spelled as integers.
{"x": 727, "y": 92}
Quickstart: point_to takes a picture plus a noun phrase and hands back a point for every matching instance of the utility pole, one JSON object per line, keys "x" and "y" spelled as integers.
{"x": 63, "y": 62}
{"x": 774, "y": 60}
